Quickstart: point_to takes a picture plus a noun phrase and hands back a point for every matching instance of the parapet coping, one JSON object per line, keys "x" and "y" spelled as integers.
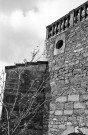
{"x": 26, "y": 64}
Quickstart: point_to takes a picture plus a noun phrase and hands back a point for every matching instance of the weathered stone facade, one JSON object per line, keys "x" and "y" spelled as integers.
{"x": 37, "y": 72}
{"x": 67, "y": 52}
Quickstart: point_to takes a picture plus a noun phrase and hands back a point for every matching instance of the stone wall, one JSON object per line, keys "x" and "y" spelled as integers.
{"x": 34, "y": 78}
{"x": 69, "y": 80}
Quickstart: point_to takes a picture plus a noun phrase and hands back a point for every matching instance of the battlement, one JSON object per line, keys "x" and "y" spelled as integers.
{"x": 67, "y": 21}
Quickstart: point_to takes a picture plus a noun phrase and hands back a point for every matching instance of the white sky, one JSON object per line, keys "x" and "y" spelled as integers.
{"x": 23, "y": 25}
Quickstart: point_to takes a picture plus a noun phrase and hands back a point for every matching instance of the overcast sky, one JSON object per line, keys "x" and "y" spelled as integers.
{"x": 23, "y": 25}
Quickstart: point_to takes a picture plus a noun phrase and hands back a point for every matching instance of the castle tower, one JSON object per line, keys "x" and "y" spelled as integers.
{"x": 67, "y": 53}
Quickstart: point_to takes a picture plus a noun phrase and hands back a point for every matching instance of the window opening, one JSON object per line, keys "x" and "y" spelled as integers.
{"x": 59, "y": 44}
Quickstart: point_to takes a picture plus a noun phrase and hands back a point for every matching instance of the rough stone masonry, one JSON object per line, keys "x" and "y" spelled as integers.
{"x": 67, "y": 52}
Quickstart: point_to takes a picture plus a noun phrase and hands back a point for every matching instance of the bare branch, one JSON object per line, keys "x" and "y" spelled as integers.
{"x": 16, "y": 96}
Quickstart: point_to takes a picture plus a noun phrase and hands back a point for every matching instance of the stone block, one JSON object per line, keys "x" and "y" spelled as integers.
{"x": 55, "y": 126}
{"x": 51, "y": 123}
{"x": 78, "y": 105}
{"x": 74, "y": 118}
{"x": 58, "y": 112}
{"x": 84, "y": 130}
{"x": 62, "y": 126}
{"x": 52, "y": 107}
{"x": 70, "y": 119}
{"x": 85, "y": 54}
{"x": 50, "y": 126}
{"x": 68, "y": 112}
{"x": 54, "y": 92}
{"x": 61, "y": 99}
{"x": 52, "y": 83}
{"x": 69, "y": 105}
{"x": 78, "y": 50}
{"x": 59, "y": 106}
{"x": 53, "y": 89}
{"x": 69, "y": 130}
{"x": 84, "y": 97}
{"x": 79, "y": 111}
{"x": 66, "y": 81}
{"x": 69, "y": 123}
{"x": 54, "y": 119}
{"x": 65, "y": 118}
{"x": 86, "y": 111}
{"x": 51, "y": 112}
{"x": 73, "y": 97}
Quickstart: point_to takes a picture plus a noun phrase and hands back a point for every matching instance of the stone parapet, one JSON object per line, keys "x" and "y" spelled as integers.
{"x": 67, "y": 21}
